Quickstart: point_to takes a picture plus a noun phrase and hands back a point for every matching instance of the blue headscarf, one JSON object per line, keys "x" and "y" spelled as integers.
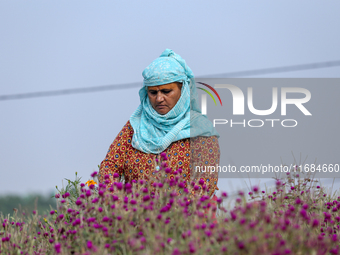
{"x": 154, "y": 132}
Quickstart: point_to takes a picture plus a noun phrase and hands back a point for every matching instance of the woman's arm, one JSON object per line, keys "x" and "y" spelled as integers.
{"x": 115, "y": 157}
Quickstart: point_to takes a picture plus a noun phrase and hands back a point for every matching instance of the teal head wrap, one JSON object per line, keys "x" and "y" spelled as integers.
{"x": 154, "y": 132}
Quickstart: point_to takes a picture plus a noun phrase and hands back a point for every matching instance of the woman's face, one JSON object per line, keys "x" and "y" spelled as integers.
{"x": 164, "y": 97}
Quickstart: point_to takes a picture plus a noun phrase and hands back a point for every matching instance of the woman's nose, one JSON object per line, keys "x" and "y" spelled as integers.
{"x": 159, "y": 97}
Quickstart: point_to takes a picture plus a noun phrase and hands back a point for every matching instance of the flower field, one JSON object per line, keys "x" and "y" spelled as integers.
{"x": 296, "y": 217}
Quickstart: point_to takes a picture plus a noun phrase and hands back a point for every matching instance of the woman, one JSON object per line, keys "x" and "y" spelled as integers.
{"x": 168, "y": 120}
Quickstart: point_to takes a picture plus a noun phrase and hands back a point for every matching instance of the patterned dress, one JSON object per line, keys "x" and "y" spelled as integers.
{"x": 125, "y": 160}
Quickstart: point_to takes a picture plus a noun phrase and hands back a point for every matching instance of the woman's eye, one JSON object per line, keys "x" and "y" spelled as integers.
{"x": 153, "y": 92}
{"x": 166, "y": 91}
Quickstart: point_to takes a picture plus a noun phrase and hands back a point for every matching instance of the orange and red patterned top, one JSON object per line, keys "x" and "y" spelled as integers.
{"x": 125, "y": 160}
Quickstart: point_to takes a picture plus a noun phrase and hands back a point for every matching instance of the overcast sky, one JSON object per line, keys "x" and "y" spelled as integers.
{"x": 52, "y": 45}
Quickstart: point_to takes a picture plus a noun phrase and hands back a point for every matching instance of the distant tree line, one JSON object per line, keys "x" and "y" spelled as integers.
{"x": 26, "y": 204}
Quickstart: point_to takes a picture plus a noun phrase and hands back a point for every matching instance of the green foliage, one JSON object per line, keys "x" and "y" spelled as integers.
{"x": 72, "y": 188}
{"x": 25, "y": 204}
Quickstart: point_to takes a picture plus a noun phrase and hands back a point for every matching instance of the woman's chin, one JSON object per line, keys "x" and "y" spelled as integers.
{"x": 162, "y": 112}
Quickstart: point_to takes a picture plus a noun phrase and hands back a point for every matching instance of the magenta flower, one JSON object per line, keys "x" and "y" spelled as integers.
{"x": 176, "y": 251}
{"x": 241, "y": 245}
{"x": 89, "y": 245}
{"x": 57, "y": 248}
{"x": 119, "y": 185}
{"x": 94, "y": 174}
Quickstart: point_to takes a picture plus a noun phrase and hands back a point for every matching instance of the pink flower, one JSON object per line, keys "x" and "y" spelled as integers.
{"x": 57, "y": 248}
{"x": 89, "y": 244}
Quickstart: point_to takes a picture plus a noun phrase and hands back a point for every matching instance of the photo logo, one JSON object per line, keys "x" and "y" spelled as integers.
{"x": 204, "y": 97}
{"x": 240, "y": 101}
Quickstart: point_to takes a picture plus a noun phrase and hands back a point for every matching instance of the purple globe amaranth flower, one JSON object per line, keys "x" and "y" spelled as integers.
{"x": 292, "y": 188}
{"x": 163, "y": 155}
{"x": 192, "y": 248}
{"x": 89, "y": 245}
{"x": 176, "y": 251}
{"x": 208, "y": 233}
{"x": 119, "y": 185}
{"x": 88, "y": 193}
{"x": 328, "y": 216}
{"x": 52, "y": 212}
{"x": 298, "y": 201}
{"x": 287, "y": 251}
{"x": 94, "y": 174}
{"x": 78, "y": 202}
{"x": 334, "y": 238}
{"x": 255, "y": 189}
{"x": 100, "y": 209}
{"x": 334, "y": 250}
{"x": 115, "y": 175}
{"x": 181, "y": 185}
{"x": 201, "y": 181}
{"x": 57, "y": 196}
{"x": 233, "y": 215}
{"x": 241, "y": 245}
{"x": 146, "y": 198}
{"x": 57, "y": 248}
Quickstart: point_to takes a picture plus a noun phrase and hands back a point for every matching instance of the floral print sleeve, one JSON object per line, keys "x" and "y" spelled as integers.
{"x": 115, "y": 157}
